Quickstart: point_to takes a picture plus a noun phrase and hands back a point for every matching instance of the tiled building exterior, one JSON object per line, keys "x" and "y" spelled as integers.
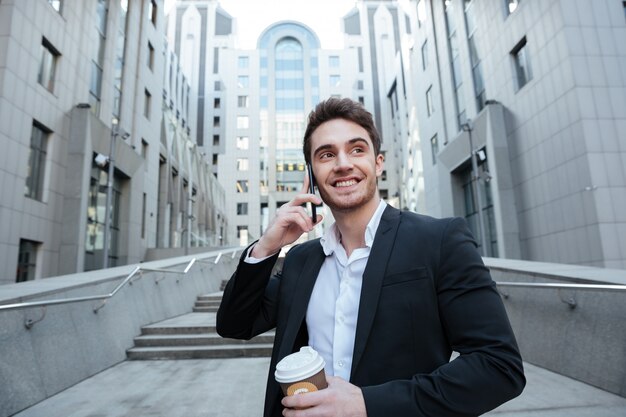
{"x": 76, "y": 76}
{"x": 541, "y": 88}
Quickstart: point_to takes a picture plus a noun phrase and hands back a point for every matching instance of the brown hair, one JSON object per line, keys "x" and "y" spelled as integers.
{"x": 336, "y": 108}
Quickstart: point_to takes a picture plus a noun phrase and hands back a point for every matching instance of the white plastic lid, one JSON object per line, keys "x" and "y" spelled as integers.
{"x": 299, "y": 365}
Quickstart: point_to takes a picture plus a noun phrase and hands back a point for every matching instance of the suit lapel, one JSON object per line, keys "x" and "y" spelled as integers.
{"x": 301, "y": 296}
{"x": 372, "y": 280}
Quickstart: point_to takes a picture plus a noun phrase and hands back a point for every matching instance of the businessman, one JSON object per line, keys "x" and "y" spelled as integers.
{"x": 385, "y": 295}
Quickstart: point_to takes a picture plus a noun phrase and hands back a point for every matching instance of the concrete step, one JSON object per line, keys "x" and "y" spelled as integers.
{"x": 209, "y": 339}
{"x": 177, "y": 330}
{"x": 215, "y": 303}
{"x": 210, "y": 297}
{"x": 201, "y": 352}
{"x": 209, "y": 309}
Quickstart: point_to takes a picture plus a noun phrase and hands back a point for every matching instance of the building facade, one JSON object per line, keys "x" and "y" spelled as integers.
{"x": 255, "y": 102}
{"x": 83, "y": 94}
{"x": 536, "y": 91}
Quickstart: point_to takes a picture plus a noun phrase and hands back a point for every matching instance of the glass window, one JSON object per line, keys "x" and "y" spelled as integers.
{"x": 243, "y": 81}
{"x": 521, "y": 63}
{"x": 147, "y": 104}
{"x": 359, "y": 85}
{"x": 421, "y": 12}
{"x": 216, "y": 140}
{"x": 150, "y": 56}
{"x": 216, "y": 121}
{"x": 242, "y": 235}
{"x": 217, "y": 85}
{"x": 242, "y": 186}
{"x": 217, "y": 103}
{"x": 242, "y": 102}
{"x": 243, "y": 122}
{"x": 242, "y": 209}
{"x": 430, "y": 108}
{"x": 434, "y": 148}
{"x": 242, "y": 164}
{"x": 152, "y": 12}
{"x": 27, "y": 260}
{"x": 335, "y": 80}
{"x": 243, "y": 142}
{"x": 333, "y": 61}
{"x": 425, "y": 54}
{"x": 243, "y": 62}
{"x": 469, "y": 16}
{"x": 36, "y": 161}
{"x": 48, "y": 65}
{"x": 510, "y": 6}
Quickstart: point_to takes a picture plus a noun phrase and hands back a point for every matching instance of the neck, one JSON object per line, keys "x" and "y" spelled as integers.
{"x": 352, "y": 225}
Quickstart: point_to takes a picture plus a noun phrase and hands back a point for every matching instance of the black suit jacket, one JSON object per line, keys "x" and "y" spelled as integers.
{"x": 425, "y": 293}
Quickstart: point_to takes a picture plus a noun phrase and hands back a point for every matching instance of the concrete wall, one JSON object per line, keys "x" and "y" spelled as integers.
{"x": 587, "y": 342}
{"x": 72, "y": 343}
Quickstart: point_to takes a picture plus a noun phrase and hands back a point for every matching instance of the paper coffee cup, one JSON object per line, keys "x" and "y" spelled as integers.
{"x": 301, "y": 372}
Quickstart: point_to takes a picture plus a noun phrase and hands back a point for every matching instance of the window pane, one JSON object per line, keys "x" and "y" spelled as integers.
{"x": 36, "y": 163}
{"x": 243, "y": 81}
{"x": 243, "y": 122}
{"x": 242, "y": 164}
{"x": 243, "y": 142}
{"x": 434, "y": 147}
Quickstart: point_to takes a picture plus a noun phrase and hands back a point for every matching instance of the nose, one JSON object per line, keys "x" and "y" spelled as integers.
{"x": 342, "y": 162}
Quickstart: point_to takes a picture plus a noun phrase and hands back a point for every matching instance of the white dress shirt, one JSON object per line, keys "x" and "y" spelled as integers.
{"x": 333, "y": 309}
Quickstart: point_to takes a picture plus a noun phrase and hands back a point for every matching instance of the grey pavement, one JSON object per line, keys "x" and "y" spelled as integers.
{"x": 235, "y": 388}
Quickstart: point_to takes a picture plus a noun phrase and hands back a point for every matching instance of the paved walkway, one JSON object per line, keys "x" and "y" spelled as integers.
{"x": 235, "y": 388}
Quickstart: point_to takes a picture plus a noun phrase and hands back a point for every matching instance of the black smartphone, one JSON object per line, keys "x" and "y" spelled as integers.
{"x": 312, "y": 191}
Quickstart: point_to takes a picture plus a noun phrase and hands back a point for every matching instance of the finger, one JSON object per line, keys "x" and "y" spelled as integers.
{"x": 301, "y": 199}
{"x": 299, "y": 218}
{"x": 305, "y": 184}
{"x": 303, "y": 401}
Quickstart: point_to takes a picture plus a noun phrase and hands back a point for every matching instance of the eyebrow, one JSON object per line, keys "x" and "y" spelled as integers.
{"x": 351, "y": 142}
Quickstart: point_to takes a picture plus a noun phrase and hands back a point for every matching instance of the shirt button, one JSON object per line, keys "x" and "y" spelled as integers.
{"x": 341, "y": 319}
{"x": 340, "y": 364}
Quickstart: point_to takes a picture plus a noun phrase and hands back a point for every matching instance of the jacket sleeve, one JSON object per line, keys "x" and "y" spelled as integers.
{"x": 488, "y": 370}
{"x": 249, "y": 304}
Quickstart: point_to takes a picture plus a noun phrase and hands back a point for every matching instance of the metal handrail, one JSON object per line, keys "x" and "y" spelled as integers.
{"x": 593, "y": 287}
{"x": 103, "y": 297}
{"x": 571, "y": 301}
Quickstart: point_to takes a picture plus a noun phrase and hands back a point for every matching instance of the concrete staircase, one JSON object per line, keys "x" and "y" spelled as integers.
{"x": 207, "y": 304}
{"x": 193, "y": 336}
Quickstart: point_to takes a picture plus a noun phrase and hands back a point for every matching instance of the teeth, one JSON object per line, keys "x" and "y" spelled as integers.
{"x": 345, "y": 183}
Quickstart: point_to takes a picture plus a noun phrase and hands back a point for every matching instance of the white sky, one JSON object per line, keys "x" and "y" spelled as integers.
{"x": 254, "y": 16}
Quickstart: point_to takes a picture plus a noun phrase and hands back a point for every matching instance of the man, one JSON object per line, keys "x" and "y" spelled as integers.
{"x": 385, "y": 296}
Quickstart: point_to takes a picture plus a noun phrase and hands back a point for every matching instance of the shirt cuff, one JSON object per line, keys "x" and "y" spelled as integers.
{"x": 249, "y": 259}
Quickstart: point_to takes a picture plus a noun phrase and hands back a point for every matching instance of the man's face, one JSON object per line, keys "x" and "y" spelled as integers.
{"x": 344, "y": 165}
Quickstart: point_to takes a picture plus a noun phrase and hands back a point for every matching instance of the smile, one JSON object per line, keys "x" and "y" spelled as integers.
{"x": 345, "y": 183}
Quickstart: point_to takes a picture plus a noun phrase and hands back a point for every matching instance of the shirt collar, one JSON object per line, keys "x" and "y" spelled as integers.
{"x": 332, "y": 238}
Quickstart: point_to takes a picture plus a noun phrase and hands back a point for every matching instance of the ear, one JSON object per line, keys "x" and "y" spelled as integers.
{"x": 380, "y": 164}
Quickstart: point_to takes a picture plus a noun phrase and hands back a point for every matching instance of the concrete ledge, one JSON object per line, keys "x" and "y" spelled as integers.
{"x": 585, "y": 341}
{"x": 72, "y": 343}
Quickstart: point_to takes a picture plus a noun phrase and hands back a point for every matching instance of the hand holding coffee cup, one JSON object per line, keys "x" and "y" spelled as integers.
{"x": 301, "y": 372}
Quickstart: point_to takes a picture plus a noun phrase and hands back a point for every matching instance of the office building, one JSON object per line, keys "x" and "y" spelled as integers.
{"x": 538, "y": 88}
{"x": 81, "y": 91}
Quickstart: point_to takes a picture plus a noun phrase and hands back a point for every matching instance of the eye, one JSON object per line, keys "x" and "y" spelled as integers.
{"x": 325, "y": 155}
{"x": 358, "y": 150}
